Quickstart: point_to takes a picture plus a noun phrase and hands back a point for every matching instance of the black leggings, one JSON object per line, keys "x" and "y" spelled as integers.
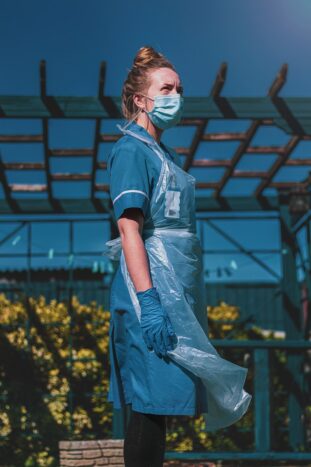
{"x": 144, "y": 443}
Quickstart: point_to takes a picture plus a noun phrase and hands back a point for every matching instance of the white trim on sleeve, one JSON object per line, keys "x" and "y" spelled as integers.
{"x": 129, "y": 191}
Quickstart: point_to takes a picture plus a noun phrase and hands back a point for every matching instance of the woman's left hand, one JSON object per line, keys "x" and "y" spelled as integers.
{"x": 157, "y": 329}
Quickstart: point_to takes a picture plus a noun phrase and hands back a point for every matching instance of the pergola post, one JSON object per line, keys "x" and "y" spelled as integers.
{"x": 262, "y": 391}
{"x": 308, "y": 271}
{"x": 293, "y": 323}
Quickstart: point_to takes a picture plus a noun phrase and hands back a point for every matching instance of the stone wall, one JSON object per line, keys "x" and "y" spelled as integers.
{"x": 108, "y": 452}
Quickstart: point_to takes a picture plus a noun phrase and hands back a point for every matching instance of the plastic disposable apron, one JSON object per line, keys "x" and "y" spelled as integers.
{"x": 175, "y": 260}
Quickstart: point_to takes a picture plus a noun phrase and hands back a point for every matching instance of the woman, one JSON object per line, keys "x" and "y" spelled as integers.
{"x": 162, "y": 362}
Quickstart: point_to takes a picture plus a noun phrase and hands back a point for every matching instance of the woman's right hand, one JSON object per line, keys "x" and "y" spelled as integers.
{"x": 157, "y": 329}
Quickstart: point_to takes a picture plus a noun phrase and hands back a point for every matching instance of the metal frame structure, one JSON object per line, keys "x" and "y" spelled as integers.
{"x": 292, "y": 202}
{"x": 290, "y": 114}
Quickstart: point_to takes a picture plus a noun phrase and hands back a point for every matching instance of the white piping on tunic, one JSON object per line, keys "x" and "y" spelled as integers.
{"x": 130, "y": 191}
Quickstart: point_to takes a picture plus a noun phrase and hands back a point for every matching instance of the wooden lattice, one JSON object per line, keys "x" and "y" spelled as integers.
{"x": 291, "y": 114}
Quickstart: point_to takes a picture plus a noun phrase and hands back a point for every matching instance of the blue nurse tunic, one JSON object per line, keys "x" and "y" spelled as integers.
{"x": 138, "y": 376}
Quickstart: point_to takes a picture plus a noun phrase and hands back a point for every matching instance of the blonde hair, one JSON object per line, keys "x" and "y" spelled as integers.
{"x": 138, "y": 79}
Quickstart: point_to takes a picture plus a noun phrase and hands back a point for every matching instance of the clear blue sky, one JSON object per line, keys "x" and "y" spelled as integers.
{"x": 254, "y": 37}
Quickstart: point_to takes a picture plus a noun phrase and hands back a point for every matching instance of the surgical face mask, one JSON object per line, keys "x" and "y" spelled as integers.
{"x": 167, "y": 110}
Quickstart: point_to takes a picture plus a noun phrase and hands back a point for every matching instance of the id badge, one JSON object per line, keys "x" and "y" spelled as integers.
{"x": 172, "y": 203}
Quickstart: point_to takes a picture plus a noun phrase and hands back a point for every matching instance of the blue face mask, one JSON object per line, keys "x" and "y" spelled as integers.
{"x": 167, "y": 110}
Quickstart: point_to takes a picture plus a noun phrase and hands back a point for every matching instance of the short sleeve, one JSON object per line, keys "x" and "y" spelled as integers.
{"x": 129, "y": 178}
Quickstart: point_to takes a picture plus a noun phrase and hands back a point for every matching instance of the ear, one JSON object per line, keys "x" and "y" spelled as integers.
{"x": 139, "y": 101}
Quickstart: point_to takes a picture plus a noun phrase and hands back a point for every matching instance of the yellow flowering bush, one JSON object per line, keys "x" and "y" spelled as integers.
{"x": 223, "y": 317}
{"x": 54, "y": 372}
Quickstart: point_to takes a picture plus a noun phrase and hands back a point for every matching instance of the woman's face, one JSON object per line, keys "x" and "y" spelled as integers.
{"x": 162, "y": 81}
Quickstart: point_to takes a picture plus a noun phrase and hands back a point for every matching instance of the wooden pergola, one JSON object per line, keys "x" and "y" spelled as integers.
{"x": 293, "y": 115}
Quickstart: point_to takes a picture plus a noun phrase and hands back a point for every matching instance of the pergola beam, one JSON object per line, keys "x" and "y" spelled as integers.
{"x": 293, "y": 115}
{"x": 45, "y": 133}
{"x": 23, "y": 166}
{"x": 21, "y": 138}
{"x": 196, "y": 109}
{"x": 71, "y": 152}
{"x": 245, "y": 143}
{"x": 201, "y": 126}
{"x": 101, "y": 88}
{"x": 85, "y": 206}
{"x": 289, "y": 148}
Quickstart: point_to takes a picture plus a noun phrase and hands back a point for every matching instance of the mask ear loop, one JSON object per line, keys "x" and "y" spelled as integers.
{"x": 130, "y": 121}
{"x": 148, "y": 97}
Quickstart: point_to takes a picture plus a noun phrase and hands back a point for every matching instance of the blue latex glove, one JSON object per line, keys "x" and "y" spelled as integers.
{"x": 156, "y": 326}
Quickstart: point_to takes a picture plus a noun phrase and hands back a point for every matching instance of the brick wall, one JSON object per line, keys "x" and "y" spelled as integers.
{"x": 108, "y": 452}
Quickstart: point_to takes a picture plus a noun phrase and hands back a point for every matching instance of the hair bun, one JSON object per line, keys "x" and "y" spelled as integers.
{"x": 138, "y": 78}
{"x": 145, "y": 56}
